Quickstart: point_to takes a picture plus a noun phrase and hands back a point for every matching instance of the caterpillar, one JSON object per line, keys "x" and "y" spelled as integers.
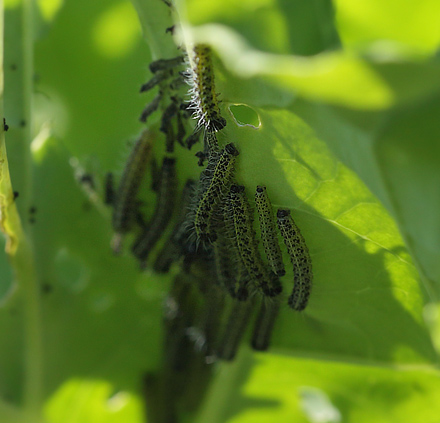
{"x": 166, "y": 64}
{"x": 180, "y": 310}
{"x": 157, "y": 79}
{"x": 180, "y": 130}
{"x": 172, "y": 249}
{"x": 162, "y": 212}
{"x": 109, "y": 192}
{"x": 204, "y": 100}
{"x": 300, "y": 258}
{"x": 192, "y": 139}
{"x": 125, "y": 201}
{"x": 210, "y": 150}
{"x": 166, "y": 125}
{"x": 235, "y": 329}
{"x": 264, "y": 324}
{"x": 151, "y": 107}
{"x": 268, "y": 232}
{"x": 210, "y": 144}
{"x": 206, "y": 327}
{"x": 216, "y": 186}
{"x": 240, "y": 226}
{"x": 231, "y": 274}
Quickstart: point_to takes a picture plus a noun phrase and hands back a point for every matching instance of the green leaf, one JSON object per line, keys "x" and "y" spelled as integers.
{"x": 88, "y": 401}
{"x": 272, "y": 387}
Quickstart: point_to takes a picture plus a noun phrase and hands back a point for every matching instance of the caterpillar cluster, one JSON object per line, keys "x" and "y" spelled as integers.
{"x": 222, "y": 281}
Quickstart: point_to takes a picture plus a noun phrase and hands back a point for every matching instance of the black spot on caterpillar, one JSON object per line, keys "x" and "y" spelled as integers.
{"x": 264, "y": 324}
{"x": 204, "y": 100}
{"x": 235, "y": 329}
{"x": 268, "y": 232}
{"x": 162, "y": 212}
{"x": 15, "y": 194}
{"x": 240, "y": 226}
{"x": 125, "y": 199}
{"x": 216, "y": 185}
{"x": 300, "y": 258}
{"x": 5, "y": 126}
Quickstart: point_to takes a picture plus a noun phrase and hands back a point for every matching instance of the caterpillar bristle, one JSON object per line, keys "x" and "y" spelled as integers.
{"x": 204, "y": 99}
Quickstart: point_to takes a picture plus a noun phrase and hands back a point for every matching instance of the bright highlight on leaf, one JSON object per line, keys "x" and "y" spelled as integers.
{"x": 92, "y": 401}
{"x": 116, "y": 31}
{"x": 49, "y": 8}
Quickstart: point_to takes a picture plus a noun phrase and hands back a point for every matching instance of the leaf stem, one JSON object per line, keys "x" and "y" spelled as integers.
{"x": 155, "y": 17}
{"x": 17, "y": 50}
{"x": 223, "y": 390}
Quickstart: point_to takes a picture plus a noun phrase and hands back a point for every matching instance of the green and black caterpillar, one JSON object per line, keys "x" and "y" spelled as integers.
{"x": 300, "y": 258}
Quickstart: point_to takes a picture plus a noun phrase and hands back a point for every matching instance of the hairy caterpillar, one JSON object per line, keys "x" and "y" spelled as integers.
{"x": 210, "y": 198}
{"x": 204, "y": 100}
{"x": 268, "y": 232}
{"x": 264, "y": 324}
{"x": 210, "y": 144}
{"x": 300, "y": 258}
{"x": 239, "y": 220}
{"x": 125, "y": 201}
{"x": 162, "y": 212}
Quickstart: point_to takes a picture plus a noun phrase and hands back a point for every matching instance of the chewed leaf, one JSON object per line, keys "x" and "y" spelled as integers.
{"x": 364, "y": 280}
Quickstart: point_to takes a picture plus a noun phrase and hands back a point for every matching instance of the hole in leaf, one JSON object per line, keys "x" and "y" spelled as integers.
{"x": 245, "y": 115}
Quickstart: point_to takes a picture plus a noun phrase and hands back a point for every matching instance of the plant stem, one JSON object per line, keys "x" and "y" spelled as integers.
{"x": 17, "y": 50}
{"x": 18, "y": 74}
{"x": 224, "y": 388}
{"x": 155, "y": 17}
